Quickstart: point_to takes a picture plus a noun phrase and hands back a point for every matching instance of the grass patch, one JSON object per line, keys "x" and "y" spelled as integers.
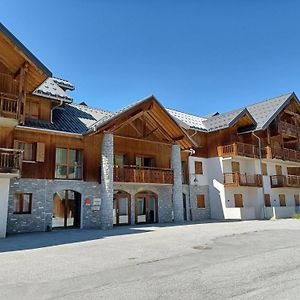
{"x": 296, "y": 216}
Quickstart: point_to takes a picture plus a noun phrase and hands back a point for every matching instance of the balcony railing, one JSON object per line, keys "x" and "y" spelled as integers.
{"x": 285, "y": 181}
{"x": 237, "y": 179}
{"x": 143, "y": 175}
{"x": 9, "y": 105}
{"x": 288, "y": 129}
{"x": 238, "y": 149}
{"x": 281, "y": 153}
{"x": 11, "y": 161}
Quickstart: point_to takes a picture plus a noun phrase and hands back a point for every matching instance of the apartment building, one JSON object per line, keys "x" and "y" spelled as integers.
{"x": 67, "y": 165}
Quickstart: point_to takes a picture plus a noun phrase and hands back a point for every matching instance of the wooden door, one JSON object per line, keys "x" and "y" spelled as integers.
{"x": 121, "y": 209}
{"x": 238, "y": 200}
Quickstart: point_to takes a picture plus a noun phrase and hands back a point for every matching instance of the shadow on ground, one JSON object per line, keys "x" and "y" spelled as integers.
{"x": 27, "y": 241}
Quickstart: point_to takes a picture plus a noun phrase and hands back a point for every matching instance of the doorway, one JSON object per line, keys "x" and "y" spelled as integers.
{"x": 121, "y": 208}
{"x": 146, "y": 208}
{"x": 184, "y": 207}
{"x": 66, "y": 209}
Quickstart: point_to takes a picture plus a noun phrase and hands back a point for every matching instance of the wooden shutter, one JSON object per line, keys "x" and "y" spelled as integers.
{"x": 200, "y": 201}
{"x": 267, "y": 200}
{"x": 297, "y": 200}
{"x": 198, "y": 167}
{"x": 264, "y": 169}
{"x": 238, "y": 200}
{"x": 282, "y": 200}
{"x": 40, "y": 152}
{"x": 235, "y": 167}
{"x": 278, "y": 170}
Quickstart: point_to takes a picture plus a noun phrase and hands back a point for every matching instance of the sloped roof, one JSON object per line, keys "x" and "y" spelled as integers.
{"x": 64, "y": 84}
{"x": 262, "y": 114}
{"x": 70, "y": 118}
{"x": 50, "y": 89}
{"x": 265, "y": 111}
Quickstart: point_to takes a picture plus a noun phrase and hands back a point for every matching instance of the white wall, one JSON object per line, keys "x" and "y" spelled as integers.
{"x": 4, "y": 191}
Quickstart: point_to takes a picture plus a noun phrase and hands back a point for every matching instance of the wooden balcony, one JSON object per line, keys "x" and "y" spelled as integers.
{"x": 11, "y": 161}
{"x": 281, "y": 153}
{"x": 278, "y": 181}
{"x": 238, "y": 149}
{"x": 9, "y": 106}
{"x": 143, "y": 175}
{"x": 237, "y": 179}
{"x": 288, "y": 130}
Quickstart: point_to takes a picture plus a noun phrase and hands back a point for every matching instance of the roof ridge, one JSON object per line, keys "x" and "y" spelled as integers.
{"x": 268, "y": 99}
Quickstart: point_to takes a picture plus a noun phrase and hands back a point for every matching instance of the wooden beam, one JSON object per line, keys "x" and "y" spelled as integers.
{"x": 128, "y": 121}
{"x": 134, "y": 127}
{"x": 142, "y": 140}
{"x": 152, "y": 131}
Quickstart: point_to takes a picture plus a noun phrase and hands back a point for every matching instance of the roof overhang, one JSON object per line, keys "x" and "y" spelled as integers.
{"x": 156, "y": 112}
{"x": 243, "y": 113}
{"x": 283, "y": 105}
{"x": 14, "y": 55}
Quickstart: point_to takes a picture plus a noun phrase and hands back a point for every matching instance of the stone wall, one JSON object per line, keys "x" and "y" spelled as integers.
{"x": 42, "y": 191}
{"x": 199, "y": 214}
{"x": 164, "y": 193}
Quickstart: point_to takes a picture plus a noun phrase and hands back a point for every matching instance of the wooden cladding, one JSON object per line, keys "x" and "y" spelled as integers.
{"x": 9, "y": 106}
{"x": 238, "y": 200}
{"x": 287, "y": 129}
{"x": 143, "y": 175}
{"x": 201, "y": 201}
{"x": 198, "y": 167}
{"x": 238, "y": 149}
{"x": 10, "y": 161}
{"x": 237, "y": 179}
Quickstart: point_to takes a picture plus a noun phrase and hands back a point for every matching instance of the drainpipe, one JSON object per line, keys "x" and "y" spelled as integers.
{"x": 260, "y": 166}
{"x": 56, "y": 107}
{"x": 191, "y": 152}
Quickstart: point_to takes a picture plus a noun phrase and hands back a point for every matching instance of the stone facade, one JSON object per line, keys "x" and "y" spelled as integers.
{"x": 107, "y": 164}
{"x": 163, "y": 191}
{"x": 177, "y": 186}
{"x": 42, "y": 191}
{"x": 199, "y": 214}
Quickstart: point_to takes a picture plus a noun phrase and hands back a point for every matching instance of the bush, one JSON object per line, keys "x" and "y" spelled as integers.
{"x": 296, "y": 216}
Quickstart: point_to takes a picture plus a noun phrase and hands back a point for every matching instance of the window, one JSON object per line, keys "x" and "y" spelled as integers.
{"x": 282, "y": 200}
{"x": 22, "y": 203}
{"x": 119, "y": 160}
{"x": 68, "y": 164}
{"x": 31, "y": 151}
{"x": 297, "y": 200}
{"x": 267, "y": 200}
{"x": 264, "y": 169}
{"x": 235, "y": 167}
{"x": 238, "y": 200}
{"x": 198, "y": 167}
{"x": 278, "y": 170}
{"x": 144, "y": 161}
{"x": 201, "y": 201}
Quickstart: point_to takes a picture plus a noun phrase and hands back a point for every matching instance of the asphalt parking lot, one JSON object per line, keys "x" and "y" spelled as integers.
{"x": 240, "y": 260}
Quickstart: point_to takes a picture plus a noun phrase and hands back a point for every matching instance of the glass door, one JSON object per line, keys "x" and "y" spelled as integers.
{"x": 141, "y": 210}
{"x": 121, "y": 209}
{"x": 151, "y": 211}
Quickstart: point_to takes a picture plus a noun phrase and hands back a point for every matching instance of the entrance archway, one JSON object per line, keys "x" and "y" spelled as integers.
{"x": 146, "y": 207}
{"x": 66, "y": 209}
{"x": 121, "y": 208}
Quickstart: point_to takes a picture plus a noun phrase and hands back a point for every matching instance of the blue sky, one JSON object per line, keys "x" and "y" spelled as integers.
{"x": 194, "y": 56}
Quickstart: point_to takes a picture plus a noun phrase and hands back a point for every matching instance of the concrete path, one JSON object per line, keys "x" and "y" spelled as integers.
{"x": 239, "y": 260}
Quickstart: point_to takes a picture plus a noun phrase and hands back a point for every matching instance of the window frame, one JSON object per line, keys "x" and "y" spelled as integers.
{"x": 198, "y": 167}
{"x": 282, "y": 199}
{"x": 267, "y": 198}
{"x": 33, "y": 150}
{"x": 68, "y": 165}
{"x": 297, "y": 200}
{"x": 235, "y": 200}
{"x": 20, "y": 197}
